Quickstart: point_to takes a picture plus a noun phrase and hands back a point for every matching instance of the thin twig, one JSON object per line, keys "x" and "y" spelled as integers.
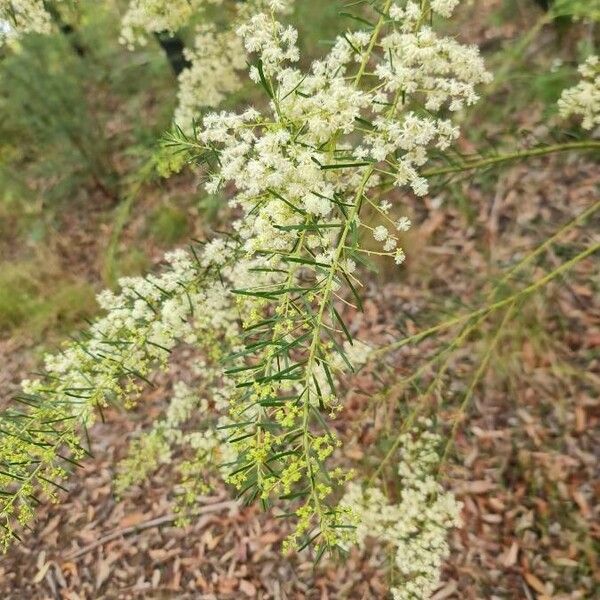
{"x": 539, "y": 283}
{"x": 470, "y": 165}
{"x": 479, "y": 374}
{"x": 157, "y": 522}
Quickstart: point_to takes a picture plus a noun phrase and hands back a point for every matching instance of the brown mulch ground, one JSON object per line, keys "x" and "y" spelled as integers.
{"x": 525, "y": 466}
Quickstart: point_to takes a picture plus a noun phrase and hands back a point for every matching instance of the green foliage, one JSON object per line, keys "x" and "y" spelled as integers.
{"x": 169, "y": 162}
{"x": 168, "y": 224}
{"x": 69, "y": 106}
{"x": 46, "y": 116}
{"x": 132, "y": 262}
{"x": 547, "y": 86}
{"x": 318, "y": 24}
{"x": 210, "y": 205}
{"x": 581, "y": 9}
{"x": 33, "y": 299}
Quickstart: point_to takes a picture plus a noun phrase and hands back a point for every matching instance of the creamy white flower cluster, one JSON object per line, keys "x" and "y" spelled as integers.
{"x": 217, "y": 55}
{"x": 445, "y": 8}
{"x": 416, "y": 59}
{"x": 583, "y": 99}
{"x": 438, "y": 70}
{"x": 191, "y": 427}
{"x": 18, "y": 17}
{"x": 262, "y": 153}
{"x": 388, "y": 234}
{"x": 145, "y": 17}
{"x": 189, "y": 303}
{"x": 215, "y": 61}
{"x": 416, "y": 525}
{"x": 303, "y": 170}
{"x": 216, "y": 58}
{"x": 143, "y": 323}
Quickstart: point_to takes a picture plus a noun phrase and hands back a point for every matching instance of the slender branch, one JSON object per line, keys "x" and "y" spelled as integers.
{"x": 501, "y": 158}
{"x": 468, "y": 328}
{"x": 312, "y": 358}
{"x": 492, "y": 307}
{"x": 479, "y": 374}
{"x": 408, "y": 423}
{"x": 374, "y": 37}
{"x": 548, "y": 242}
{"x": 527, "y": 259}
{"x": 327, "y": 295}
{"x": 481, "y": 314}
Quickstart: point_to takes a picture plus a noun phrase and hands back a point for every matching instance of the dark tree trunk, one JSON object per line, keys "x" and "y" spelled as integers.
{"x": 545, "y": 4}
{"x": 68, "y": 31}
{"x": 173, "y": 48}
